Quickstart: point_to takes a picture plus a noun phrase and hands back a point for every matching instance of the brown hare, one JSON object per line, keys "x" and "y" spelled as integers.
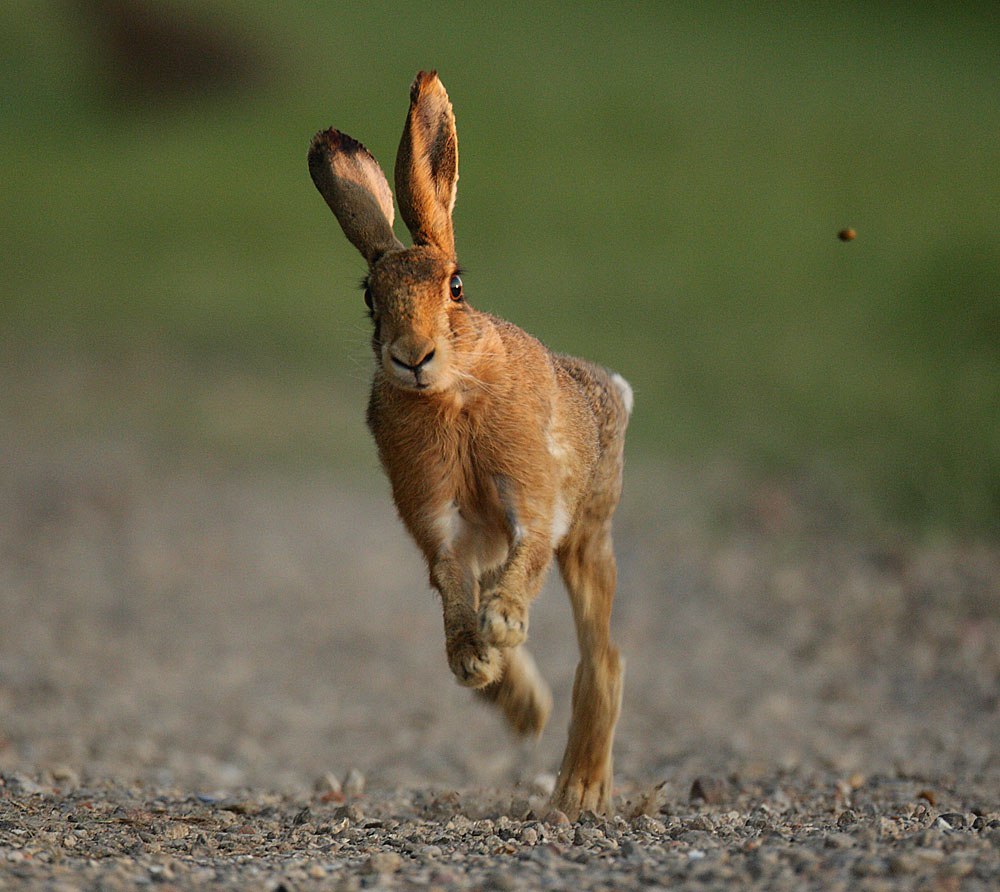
{"x": 500, "y": 452}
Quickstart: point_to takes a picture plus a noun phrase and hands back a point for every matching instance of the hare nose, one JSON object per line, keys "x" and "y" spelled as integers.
{"x": 413, "y": 367}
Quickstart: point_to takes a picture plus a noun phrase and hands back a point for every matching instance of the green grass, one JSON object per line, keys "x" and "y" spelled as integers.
{"x": 656, "y": 186}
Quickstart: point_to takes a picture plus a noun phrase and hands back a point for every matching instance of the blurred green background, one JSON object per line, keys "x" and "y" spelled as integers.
{"x": 655, "y": 186}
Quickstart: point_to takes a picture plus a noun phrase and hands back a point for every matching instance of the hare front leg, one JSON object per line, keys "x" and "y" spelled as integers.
{"x": 587, "y": 563}
{"x": 510, "y": 588}
{"x": 503, "y": 616}
{"x": 474, "y": 662}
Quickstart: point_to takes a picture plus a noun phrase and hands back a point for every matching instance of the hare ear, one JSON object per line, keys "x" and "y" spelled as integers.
{"x": 353, "y": 184}
{"x": 427, "y": 164}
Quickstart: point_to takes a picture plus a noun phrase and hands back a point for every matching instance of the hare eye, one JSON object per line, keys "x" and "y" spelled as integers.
{"x": 455, "y": 285}
{"x": 368, "y": 298}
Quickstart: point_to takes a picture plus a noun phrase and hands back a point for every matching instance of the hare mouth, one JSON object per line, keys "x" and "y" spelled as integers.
{"x": 411, "y": 383}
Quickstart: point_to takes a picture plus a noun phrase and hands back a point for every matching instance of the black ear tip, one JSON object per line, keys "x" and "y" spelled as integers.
{"x": 320, "y": 145}
{"x": 423, "y": 79}
{"x": 331, "y": 142}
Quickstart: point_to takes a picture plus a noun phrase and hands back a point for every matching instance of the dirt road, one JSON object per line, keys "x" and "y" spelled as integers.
{"x": 192, "y": 664}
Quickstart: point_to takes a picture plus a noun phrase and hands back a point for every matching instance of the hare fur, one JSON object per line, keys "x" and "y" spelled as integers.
{"x": 500, "y": 453}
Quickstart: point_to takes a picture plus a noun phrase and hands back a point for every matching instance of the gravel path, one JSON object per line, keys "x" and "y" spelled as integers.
{"x": 778, "y": 833}
{"x": 239, "y": 680}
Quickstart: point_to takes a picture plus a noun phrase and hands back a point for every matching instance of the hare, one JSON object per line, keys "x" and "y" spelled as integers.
{"x": 499, "y": 452}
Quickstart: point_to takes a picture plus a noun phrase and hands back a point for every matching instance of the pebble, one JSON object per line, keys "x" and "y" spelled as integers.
{"x": 846, "y": 818}
{"x": 329, "y": 788}
{"x": 647, "y": 824}
{"x": 839, "y": 841}
{"x": 710, "y": 790}
{"x": 384, "y": 862}
{"x": 354, "y": 784}
{"x": 352, "y": 813}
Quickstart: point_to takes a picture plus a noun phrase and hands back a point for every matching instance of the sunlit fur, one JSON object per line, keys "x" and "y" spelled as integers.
{"x": 500, "y": 453}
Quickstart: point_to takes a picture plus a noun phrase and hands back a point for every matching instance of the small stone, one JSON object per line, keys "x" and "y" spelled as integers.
{"x": 317, "y": 872}
{"x": 846, "y": 818}
{"x": 960, "y": 866}
{"x": 162, "y": 872}
{"x": 556, "y": 817}
{"x": 519, "y": 808}
{"x": 903, "y": 864}
{"x": 352, "y": 813}
{"x": 649, "y": 802}
{"x": 629, "y": 848}
{"x": 952, "y": 821}
{"x": 710, "y": 790}
{"x": 868, "y": 867}
{"x": 25, "y": 785}
{"x": 839, "y": 841}
{"x": 646, "y": 824}
{"x": 66, "y": 776}
{"x": 929, "y": 857}
{"x": 176, "y": 830}
{"x": 384, "y": 862}
{"x": 329, "y": 788}
{"x": 502, "y": 882}
{"x": 354, "y": 784}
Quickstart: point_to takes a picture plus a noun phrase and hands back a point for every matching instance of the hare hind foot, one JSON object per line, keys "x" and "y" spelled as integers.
{"x": 521, "y": 694}
{"x": 575, "y": 795}
{"x": 503, "y": 622}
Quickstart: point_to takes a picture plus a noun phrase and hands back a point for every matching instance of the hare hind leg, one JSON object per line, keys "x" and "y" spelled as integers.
{"x": 521, "y": 694}
{"x": 587, "y": 563}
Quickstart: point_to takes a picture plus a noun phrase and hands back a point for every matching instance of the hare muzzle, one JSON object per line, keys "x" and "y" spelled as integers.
{"x": 412, "y": 361}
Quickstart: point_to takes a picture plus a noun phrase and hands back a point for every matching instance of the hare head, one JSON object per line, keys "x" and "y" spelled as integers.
{"x": 424, "y": 333}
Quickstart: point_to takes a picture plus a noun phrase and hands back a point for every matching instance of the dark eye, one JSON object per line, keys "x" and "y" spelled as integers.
{"x": 455, "y": 285}
{"x": 368, "y": 297}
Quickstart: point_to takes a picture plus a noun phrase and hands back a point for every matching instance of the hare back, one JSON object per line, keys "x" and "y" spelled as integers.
{"x": 607, "y": 393}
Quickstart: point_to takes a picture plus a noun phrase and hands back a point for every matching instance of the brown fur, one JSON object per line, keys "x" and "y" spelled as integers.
{"x": 499, "y": 452}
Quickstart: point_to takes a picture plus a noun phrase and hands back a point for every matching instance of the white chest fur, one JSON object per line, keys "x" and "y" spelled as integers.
{"x": 478, "y": 546}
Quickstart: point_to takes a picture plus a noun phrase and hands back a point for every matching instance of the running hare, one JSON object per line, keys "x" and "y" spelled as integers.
{"x": 499, "y": 451}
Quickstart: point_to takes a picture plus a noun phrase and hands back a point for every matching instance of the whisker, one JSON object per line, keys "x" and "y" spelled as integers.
{"x": 492, "y": 389}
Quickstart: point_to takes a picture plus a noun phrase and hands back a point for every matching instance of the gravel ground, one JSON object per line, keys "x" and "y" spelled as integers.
{"x": 239, "y": 680}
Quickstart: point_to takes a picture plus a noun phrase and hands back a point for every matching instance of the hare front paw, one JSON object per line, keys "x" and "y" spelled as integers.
{"x": 503, "y": 622}
{"x": 474, "y": 663}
